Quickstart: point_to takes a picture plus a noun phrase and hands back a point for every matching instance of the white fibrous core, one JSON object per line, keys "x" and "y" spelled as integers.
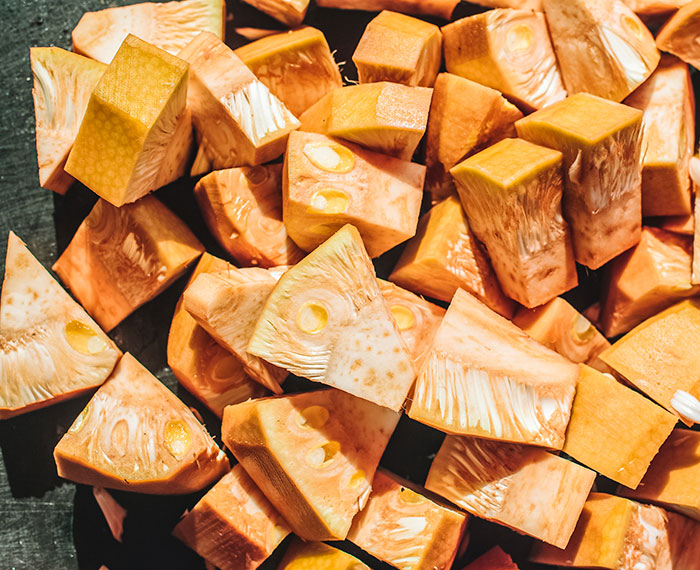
{"x": 644, "y": 541}
{"x": 177, "y": 23}
{"x": 686, "y": 405}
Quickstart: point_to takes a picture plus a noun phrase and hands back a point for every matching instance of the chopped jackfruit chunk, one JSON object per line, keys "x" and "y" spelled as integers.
{"x": 678, "y": 36}
{"x": 318, "y": 556}
{"x": 289, "y": 12}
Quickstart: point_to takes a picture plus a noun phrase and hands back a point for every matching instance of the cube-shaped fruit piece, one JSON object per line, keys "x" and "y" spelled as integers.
{"x": 327, "y": 320}
{"x": 318, "y": 556}
{"x": 648, "y": 278}
{"x": 227, "y": 306}
{"x": 508, "y": 50}
{"x": 327, "y": 184}
{"x": 679, "y": 33}
{"x": 289, "y": 12}
{"x": 601, "y": 144}
{"x": 136, "y": 435}
{"x": 619, "y": 534}
{"x": 456, "y": 130}
{"x": 403, "y": 527}
{"x": 494, "y": 559}
{"x": 202, "y": 365}
{"x": 512, "y": 194}
{"x": 297, "y": 66}
{"x": 233, "y": 526}
{"x": 63, "y": 83}
{"x": 400, "y": 49}
{"x": 384, "y": 117}
{"x": 243, "y": 209}
{"x": 440, "y": 8}
{"x": 120, "y": 258}
{"x": 313, "y": 455}
{"x": 603, "y": 409}
{"x": 50, "y": 349}
{"x": 666, "y": 99}
{"x": 136, "y": 134}
{"x": 444, "y": 256}
{"x": 168, "y": 25}
{"x": 239, "y": 121}
{"x": 672, "y": 478}
{"x": 522, "y": 487}
{"x": 660, "y": 356}
{"x": 608, "y": 33}
{"x": 684, "y": 225}
{"x": 472, "y": 382}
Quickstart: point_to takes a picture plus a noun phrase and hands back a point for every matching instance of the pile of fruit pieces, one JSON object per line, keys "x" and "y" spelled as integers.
{"x": 554, "y": 131}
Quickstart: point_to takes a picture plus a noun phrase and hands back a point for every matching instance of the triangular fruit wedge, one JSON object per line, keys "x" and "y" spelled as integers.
{"x": 440, "y": 8}
{"x": 327, "y": 320}
{"x": 679, "y": 33}
{"x": 228, "y": 306}
{"x": 289, "y": 12}
{"x": 313, "y": 455}
{"x": 63, "y": 83}
{"x": 233, "y": 526}
{"x": 50, "y": 349}
{"x": 605, "y": 32}
{"x": 494, "y": 559}
{"x": 167, "y": 25}
{"x": 136, "y": 435}
{"x": 318, "y": 556}
{"x": 486, "y": 377}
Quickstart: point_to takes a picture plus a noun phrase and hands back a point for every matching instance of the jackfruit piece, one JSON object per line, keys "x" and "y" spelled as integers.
{"x": 313, "y": 455}
{"x": 227, "y": 306}
{"x": 50, "y": 349}
{"x": 384, "y": 117}
{"x": 679, "y": 33}
{"x": 239, "y": 121}
{"x": 440, "y": 8}
{"x": 63, "y": 83}
{"x": 648, "y": 278}
{"x": 243, "y": 209}
{"x": 695, "y": 277}
{"x": 297, "y": 66}
{"x": 603, "y": 48}
{"x": 136, "y": 133}
{"x": 659, "y": 356}
{"x": 402, "y": 526}
{"x": 289, "y": 12}
{"x": 512, "y": 194}
{"x": 651, "y": 10}
{"x": 684, "y": 225}
{"x": 519, "y": 486}
{"x": 318, "y": 556}
{"x": 619, "y": 534}
{"x": 400, "y": 49}
{"x": 559, "y": 326}
{"x": 201, "y": 163}
{"x": 601, "y": 144}
{"x": 233, "y": 526}
{"x": 120, "y": 258}
{"x": 327, "y": 320}
{"x": 456, "y": 130}
{"x": 485, "y": 377}
{"x": 445, "y": 256}
{"x": 204, "y": 367}
{"x": 494, "y": 559}
{"x": 508, "y": 50}
{"x": 136, "y": 435}
{"x": 671, "y": 480}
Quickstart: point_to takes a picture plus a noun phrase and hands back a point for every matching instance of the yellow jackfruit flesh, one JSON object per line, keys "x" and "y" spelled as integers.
{"x": 289, "y": 12}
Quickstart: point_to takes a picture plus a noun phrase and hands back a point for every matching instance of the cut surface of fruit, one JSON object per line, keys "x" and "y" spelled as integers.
{"x": 120, "y": 258}
{"x": 671, "y": 480}
{"x": 684, "y": 225}
{"x": 239, "y": 121}
{"x": 440, "y": 8}
{"x": 608, "y": 33}
{"x": 227, "y": 305}
{"x": 601, "y": 146}
{"x": 508, "y": 50}
{"x": 318, "y": 556}
{"x": 512, "y": 195}
{"x": 313, "y": 455}
{"x": 485, "y": 377}
{"x": 297, "y": 66}
{"x": 136, "y": 435}
{"x": 243, "y": 209}
{"x": 168, "y": 25}
{"x": 50, "y": 349}
{"x": 456, "y": 130}
{"x": 233, "y": 526}
{"x": 289, "y": 12}
{"x": 202, "y": 365}
{"x": 327, "y": 320}
{"x": 328, "y": 183}
{"x": 648, "y": 278}
{"x": 494, "y": 559}
{"x": 520, "y": 486}
{"x": 138, "y": 107}
{"x": 679, "y": 34}
{"x": 400, "y": 49}
{"x": 403, "y": 527}
{"x": 63, "y": 83}
{"x": 659, "y": 356}
{"x": 445, "y": 256}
